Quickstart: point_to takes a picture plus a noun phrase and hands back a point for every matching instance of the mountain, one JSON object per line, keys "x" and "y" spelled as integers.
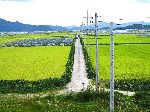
{"x": 131, "y": 23}
{"x": 73, "y": 27}
{"x": 141, "y": 25}
{"x": 7, "y": 26}
{"x": 134, "y": 25}
{"x": 105, "y": 25}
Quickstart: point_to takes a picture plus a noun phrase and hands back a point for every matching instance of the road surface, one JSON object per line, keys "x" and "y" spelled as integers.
{"x": 79, "y": 80}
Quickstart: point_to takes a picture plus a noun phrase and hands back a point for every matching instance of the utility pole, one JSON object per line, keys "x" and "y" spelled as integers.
{"x": 87, "y": 31}
{"x": 87, "y": 21}
{"x": 111, "y": 68}
{"x": 97, "y": 70}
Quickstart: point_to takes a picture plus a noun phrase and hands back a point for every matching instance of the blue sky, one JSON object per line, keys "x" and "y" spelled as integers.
{"x": 71, "y": 12}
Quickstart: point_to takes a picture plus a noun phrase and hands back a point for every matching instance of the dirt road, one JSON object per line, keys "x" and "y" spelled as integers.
{"x": 79, "y": 79}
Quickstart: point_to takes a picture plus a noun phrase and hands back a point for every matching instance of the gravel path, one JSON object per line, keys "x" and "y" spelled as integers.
{"x": 79, "y": 80}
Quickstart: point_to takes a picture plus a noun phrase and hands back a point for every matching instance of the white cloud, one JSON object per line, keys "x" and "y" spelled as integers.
{"x": 16, "y": 0}
{"x": 143, "y": 1}
{"x": 69, "y": 12}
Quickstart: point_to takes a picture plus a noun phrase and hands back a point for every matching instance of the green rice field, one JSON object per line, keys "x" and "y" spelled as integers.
{"x": 132, "y": 57}
{"x": 33, "y": 63}
{"x": 118, "y": 39}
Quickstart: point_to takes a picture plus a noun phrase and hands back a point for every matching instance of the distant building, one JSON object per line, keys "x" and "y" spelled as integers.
{"x": 121, "y": 31}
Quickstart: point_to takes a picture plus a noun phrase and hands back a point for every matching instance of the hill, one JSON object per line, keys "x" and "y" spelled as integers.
{"x": 7, "y": 26}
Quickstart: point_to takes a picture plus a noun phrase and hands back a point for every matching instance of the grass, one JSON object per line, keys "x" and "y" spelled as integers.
{"x": 82, "y": 102}
{"x": 33, "y": 63}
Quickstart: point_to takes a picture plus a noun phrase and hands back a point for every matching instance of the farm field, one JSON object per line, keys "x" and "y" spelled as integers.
{"x": 131, "y": 60}
{"x": 41, "y": 66}
{"x": 10, "y": 38}
{"x": 35, "y": 69}
{"x": 33, "y": 63}
{"x": 118, "y": 39}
